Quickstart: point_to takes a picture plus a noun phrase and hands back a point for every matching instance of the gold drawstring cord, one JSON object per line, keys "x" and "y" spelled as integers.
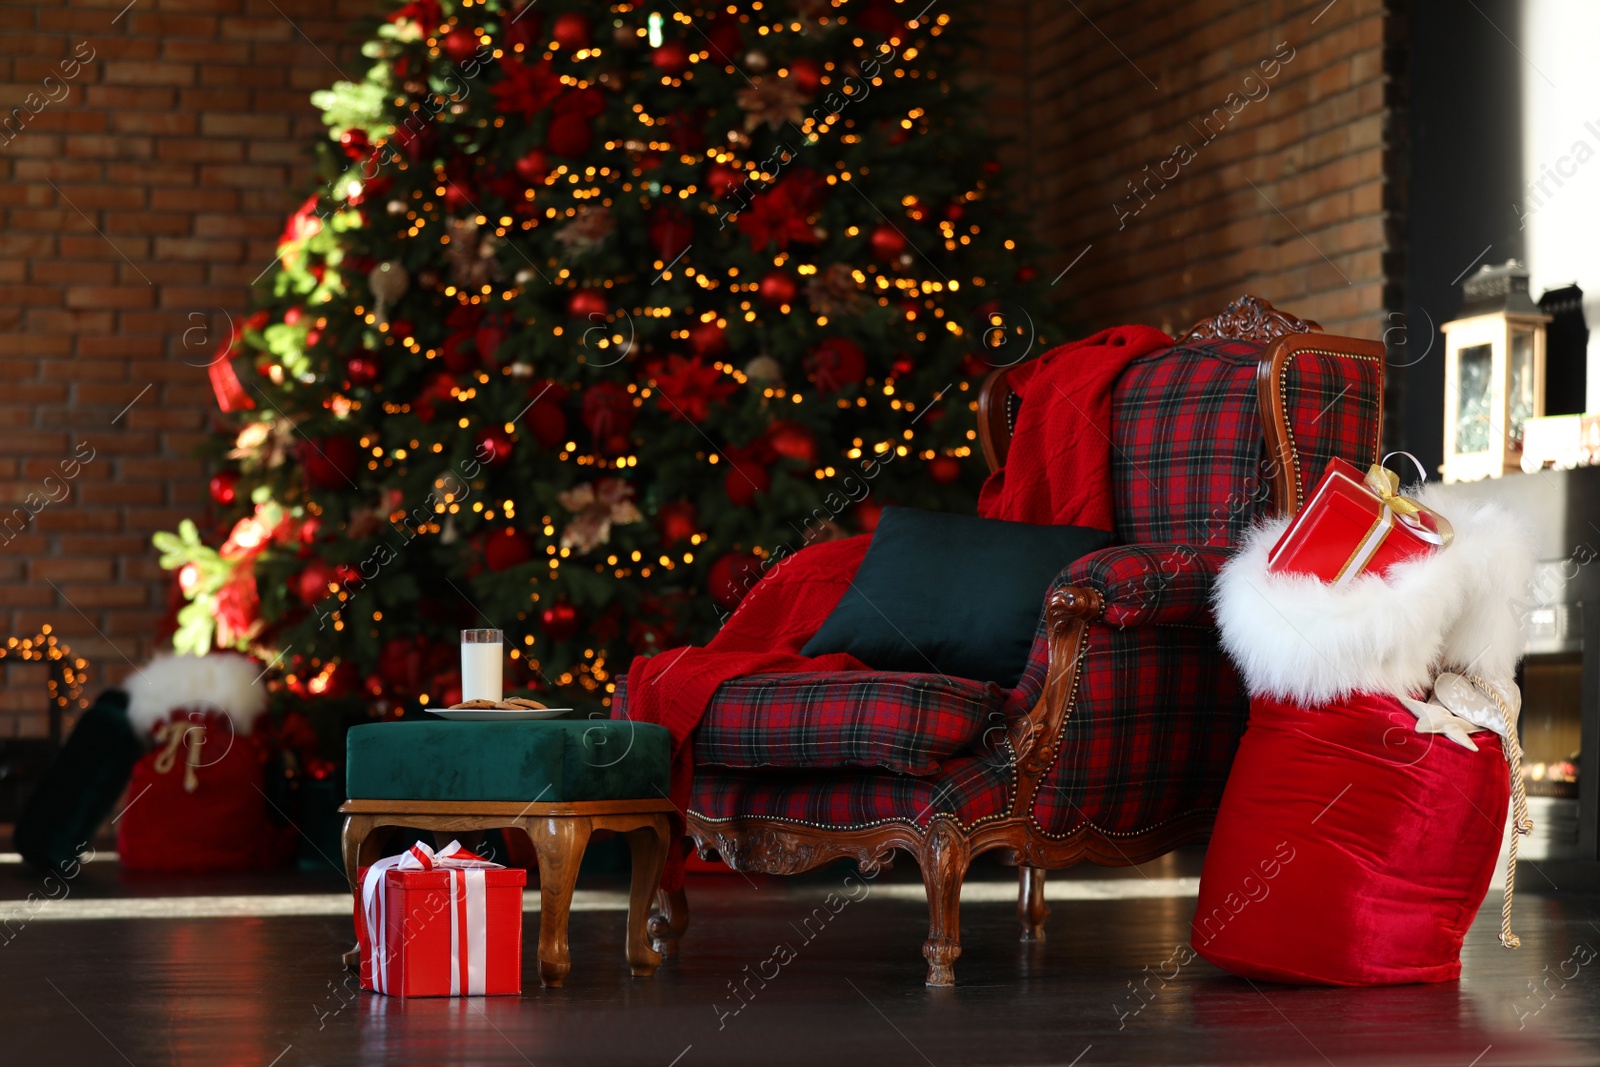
{"x": 1521, "y": 824}
{"x": 173, "y": 734}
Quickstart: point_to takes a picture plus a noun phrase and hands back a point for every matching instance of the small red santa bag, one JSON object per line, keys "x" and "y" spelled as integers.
{"x": 197, "y": 801}
{"x": 1353, "y": 846}
{"x": 440, "y": 924}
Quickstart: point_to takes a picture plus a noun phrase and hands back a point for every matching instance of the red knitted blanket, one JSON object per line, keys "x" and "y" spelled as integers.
{"x": 1058, "y": 472}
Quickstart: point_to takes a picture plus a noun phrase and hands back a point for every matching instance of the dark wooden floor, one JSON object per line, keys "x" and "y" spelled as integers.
{"x": 217, "y": 992}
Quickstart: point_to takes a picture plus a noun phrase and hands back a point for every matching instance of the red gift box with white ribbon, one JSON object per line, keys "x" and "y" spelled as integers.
{"x": 440, "y": 924}
{"x": 1355, "y": 524}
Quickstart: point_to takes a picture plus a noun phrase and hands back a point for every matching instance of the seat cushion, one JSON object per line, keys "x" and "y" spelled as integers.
{"x": 951, "y": 594}
{"x": 908, "y": 723}
{"x": 546, "y": 761}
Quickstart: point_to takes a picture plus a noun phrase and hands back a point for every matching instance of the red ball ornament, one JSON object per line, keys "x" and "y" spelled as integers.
{"x": 670, "y": 234}
{"x": 778, "y": 288}
{"x": 744, "y": 481}
{"x": 493, "y": 446}
{"x": 887, "y": 243}
{"x": 608, "y": 415}
{"x": 355, "y": 146}
{"x": 460, "y": 45}
{"x": 708, "y": 340}
{"x": 805, "y": 74}
{"x": 1026, "y": 273}
{"x": 587, "y": 303}
{"x": 733, "y": 576}
{"x": 224, "y": 488}
{"x": 944, "y": 469}
{"x": 793, "y": 440}
{"x": 534, "y": 167}
{"x": 570, "y": 135}
{"x": 361, "y": 370}
{"x": 548, "y": 423}
{"x": 293, "y": 316}
{"x": 560, "y": 621}
{"x": 329, "y": 463}
{"x": 722, "y": 179}
{"x": 955, "y": 211}
{"x": 671, "y": 59}
{"x": 571, "y": 31}
{"x": 314, "y": 582}
{"x": 677, "y": 522}
{"x": 835, "y": 364}
{"x": 507, "y": 547}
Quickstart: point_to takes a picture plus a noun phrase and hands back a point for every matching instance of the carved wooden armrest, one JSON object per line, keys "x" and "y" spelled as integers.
{"x": 1068, "y": 613}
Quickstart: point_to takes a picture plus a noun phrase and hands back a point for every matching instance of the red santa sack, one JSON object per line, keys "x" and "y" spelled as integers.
{"x": 196, "y": 803}
{"x": 1350, "y": 847}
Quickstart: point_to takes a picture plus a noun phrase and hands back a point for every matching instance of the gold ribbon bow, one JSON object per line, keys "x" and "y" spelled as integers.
{"x": 172, "y": 735}
{"x": 1386, "y": 484}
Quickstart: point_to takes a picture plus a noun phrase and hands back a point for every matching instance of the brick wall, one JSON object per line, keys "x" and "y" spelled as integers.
{"x": 149, "y": 189}
{"x": 1285, "y": 195}
{"x": 138, "y": 204}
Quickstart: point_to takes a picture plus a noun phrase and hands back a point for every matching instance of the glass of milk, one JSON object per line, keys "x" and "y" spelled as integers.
{"x": 480, "y": 665}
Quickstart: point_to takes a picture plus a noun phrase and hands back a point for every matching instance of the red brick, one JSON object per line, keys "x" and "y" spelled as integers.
{"x": 148, "y": 73}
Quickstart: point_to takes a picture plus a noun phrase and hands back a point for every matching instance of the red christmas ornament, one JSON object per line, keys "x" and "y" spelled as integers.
{"x": 792, "y": 440}
{"x": 677, "y": 522}
{"x": 708, "y": 340}
{"x": 805, "y": 74}
{"x": 744, "y": 481}
{"x": 460, "y": 45}
{"x": 293, "y": 316}
{"x": 571, "y": 31}
{"x": 608, "y": 415}
{"x": 314, "y": 582}
{"x": 507, "y": 547}
{"x": 223, "y": 488}
{"x": 570, "y": 135}
{"x": 835, "y": 364}
{"x": 670, "y": 233}
{"x": 560, "y": 621}
{"x": 493, "y": 446}
{"x": 671, "y": 59}
{"x": 355, "y": 146}
{"x": 724, "y": 36}
{"x": 534, "y": 167}
{"x": 954, "y": 211}
{"x": 778, "y": 288}
{"x": 587, "y": 303}
{"x": 944, "y": 469}
{"x": 722, "y": 179}
{"x": 1026, "y": 273}
{"x": 887, "y": 243}
{"x": 361, "y": 370}
{"x": 330, "y": 463}
{"x": 733, "y": 576}
{"x": 546, "y": 418}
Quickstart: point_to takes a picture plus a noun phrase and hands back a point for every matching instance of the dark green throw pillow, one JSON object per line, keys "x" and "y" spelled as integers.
{"x": 951, "y": 594}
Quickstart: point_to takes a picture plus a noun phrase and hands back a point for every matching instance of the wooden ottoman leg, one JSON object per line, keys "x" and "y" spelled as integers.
{"x": 648, "y": 846}
{"x": 1031, "y": 908}
{"x": 559, "y": 841}
{"x": 356, "y": 829}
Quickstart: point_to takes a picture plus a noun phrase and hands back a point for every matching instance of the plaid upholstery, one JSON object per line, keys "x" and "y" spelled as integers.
{"x": 908, "y": 723}
{"x": 1188, "y": 445}
{"x": 1151, "y": 736}
{"x": 1151, "y": 585}
{"x": 970, "y": 789}
{"x": 1333, "y": 404}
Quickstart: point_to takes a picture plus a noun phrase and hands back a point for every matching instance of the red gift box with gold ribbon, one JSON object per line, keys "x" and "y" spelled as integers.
{"x": 1356, "y": 524}
{"x": 440, "y": 924}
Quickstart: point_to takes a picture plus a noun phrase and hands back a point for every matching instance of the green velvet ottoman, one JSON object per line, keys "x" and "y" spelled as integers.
{"x": 555, "y": 780}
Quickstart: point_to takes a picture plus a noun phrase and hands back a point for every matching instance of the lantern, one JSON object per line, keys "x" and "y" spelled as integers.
{"x": 1494, "y": 374}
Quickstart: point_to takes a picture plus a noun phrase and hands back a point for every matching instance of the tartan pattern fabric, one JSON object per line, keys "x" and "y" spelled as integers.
{"x": 970, "y": 788}
{"x": 1333, "y": 405}
{"x": 1188, "y": 445}
{"x": 1151, "y": 735}
{"x": 908, "y": 723}
{"x": 1151, "y": 585}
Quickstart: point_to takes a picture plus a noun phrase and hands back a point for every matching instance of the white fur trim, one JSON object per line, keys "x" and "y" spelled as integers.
{"x": 1294, "y": 638}
{"x": 222, "y": 681}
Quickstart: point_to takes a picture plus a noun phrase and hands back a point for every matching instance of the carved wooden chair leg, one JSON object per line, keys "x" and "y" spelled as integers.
{"x": 560, "y": 843}
{"x": 356, "y": 830}
{"x": 670, "y": 921}
{"x": 944, "y": 859}
{"x": 648, "y": 846}
{"x": 1031, "y": 908}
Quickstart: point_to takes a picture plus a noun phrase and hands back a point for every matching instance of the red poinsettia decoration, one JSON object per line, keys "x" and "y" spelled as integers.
{"x": 526, "y": 89}
{"x": 238, "y": 609}
{"x": 779, "y": 214}
{"x": 687, "y": 388}
{"x": 835, "y": 364}
{"x": 425, "y": 13}
{"x": 302, "y": 225}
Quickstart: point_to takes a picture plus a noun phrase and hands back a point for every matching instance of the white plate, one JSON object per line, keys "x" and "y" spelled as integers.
{"x": 497, "y": 714}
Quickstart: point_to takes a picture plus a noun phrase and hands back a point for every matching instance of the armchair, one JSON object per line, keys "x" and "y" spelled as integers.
{"x": 1116, "y": 743}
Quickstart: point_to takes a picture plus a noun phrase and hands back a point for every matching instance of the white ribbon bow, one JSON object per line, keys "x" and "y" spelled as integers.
{"x": 467, "y": 884}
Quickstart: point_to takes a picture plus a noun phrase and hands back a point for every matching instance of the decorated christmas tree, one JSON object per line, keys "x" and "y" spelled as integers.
{"x": 594, "y": 314}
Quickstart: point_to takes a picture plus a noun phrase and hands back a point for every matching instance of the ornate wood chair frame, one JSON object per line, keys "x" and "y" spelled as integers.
{"x": 944, "y": 849}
